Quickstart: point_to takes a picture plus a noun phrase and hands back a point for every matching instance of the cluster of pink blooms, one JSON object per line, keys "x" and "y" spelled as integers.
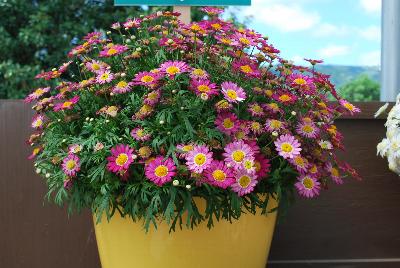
{"x": 266, "y": 117}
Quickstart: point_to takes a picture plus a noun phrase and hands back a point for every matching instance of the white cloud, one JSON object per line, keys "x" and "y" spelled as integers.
{"x": 329, "y": 30}
{"x": 287, "y": 17}
{"x": 371, "y": 6}
{"x": 371, "y": 33}
{"x": 371, "y": 58}
{"x": 333, "y": 51}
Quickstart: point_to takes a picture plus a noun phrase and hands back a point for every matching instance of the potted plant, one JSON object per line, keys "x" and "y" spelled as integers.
{"x": 183, "y": 140}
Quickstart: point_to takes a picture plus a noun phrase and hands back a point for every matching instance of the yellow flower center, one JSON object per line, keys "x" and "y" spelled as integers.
{"x": 161, "y": 171}
{"x": 195, "y": 28}
{"x": 257, "y": 108}
{"x": 95, "y": 66}
{"x": 244, "y": 181}
{"x": 152, "y": 96}
{"x": 228, "y": 123}
{"x": 203, "y": 88}
{"x": 121, "y": 159}
{"x": 286, "y": 147}
{"x": 67, "y": 104}
{"x": 275, "y": 124}
{"x": 335, "y": 172}
{"x": 147, "y": 79}
{"x": 226, "y": 41}
{"x": 313, "y": 169}
{"x": 216, "y": 26}
{"x": 231, "y": 94}
{"x": 300, "y": 81}
{"x": 104, "y": 76}
{"x": 308, "y": 183}
{"x": 187, "y": 148}
{"x": 349, "y": 106}
{"x": 38, "y": 122}
{"x": 111, "y": 51}
{"x": 269, "y": 93}
{"x": 140, "y": 133}
{"x": 307, "y": 129}
{"x": 219, "y": 175}
{"x": 299, "y": 161}
{"x": 256, "y": 126}
{"x": 122, "y": 84}
{"x": 172, "y": 70}
{"x": 273, "y": 106}
{"x": 70, "y": 165}
{"x": 248, "y": 164}
{"x": 238, "y": 155}
{"x": 244, "y": 41}
{"x": 200, "y": 159}
{"x": 257, "y": 166}
{"x": 38, "y": 92}
{"x": 246, "y": 69}
{"x": 144, "y": 151}
{"x": 284, "y": 98}
{"x": 198, "y": 72}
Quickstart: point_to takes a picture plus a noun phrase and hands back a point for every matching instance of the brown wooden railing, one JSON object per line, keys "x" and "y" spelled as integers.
{"x": 353, "y": 225}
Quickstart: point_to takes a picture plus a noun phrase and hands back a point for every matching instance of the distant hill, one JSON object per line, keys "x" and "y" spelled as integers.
{"x": 341, "y": 74}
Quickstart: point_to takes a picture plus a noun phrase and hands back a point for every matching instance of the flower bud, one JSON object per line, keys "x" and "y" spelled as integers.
{"x": 48, "y": 175}
{"x": 175, "y": 183}
{"x": 293, "y": 113}
{"x": 188, "y": 186}
{"x": 274, "y": 133}
{"x": 161, "y": 122}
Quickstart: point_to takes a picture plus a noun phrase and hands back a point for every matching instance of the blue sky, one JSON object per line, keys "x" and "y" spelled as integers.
{"x": 345, "y": 32}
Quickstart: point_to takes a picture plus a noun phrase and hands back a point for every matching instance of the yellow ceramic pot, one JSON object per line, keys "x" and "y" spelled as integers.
{"x": 123, "y": 243}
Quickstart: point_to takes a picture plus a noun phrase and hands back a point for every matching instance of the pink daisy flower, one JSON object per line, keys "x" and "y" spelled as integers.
{"x": 274, "y": 125}
{"x": 116, "y": 26}
{"x": 199, "y": 159}
{"x": 256, "y": 127}
{"x": 152, "y": 97}
{"x": 223, "y": 106}
{"x": 272, "y": 108}
{"x": 287, "y": 146}
{"x": 36, "y": 94}
{"x": 212, "y": 11}
{"x": 96, "y": 66}
{"x": 113, "y": 50}
{"x": 132, "y": 23}
{"x": 140, "y": 134}
{"x": 255, "y": 109}
{"x": 183, "y": 149}
{"x": 246, "y": 67}
{"x": 308, "y": 130}
{"x": 74, "y": 148}
{"x": 236, "y": 152}
{"x": 307, "y": 186}
{"x": 262, "y": 166}
{"x": 172, "y": 68}
{"x": 104, "y": 77}
{"x": 227, "y": 123}
{"x": 67, "y": 105}
{"x": 285, "y": 98}
{"x": 171, "y": 44}
{"x": 160, "y": 170}
{"x": 197, "y": 73}
{"x": 71, "y": 165}
{"x": 121, "y": 158}
{"x": 349, "y": 107}
{"x": 334, "y": 173}
{"x": 248, "y": 165}
{"x": 219, "y": 175}
{"x": 38, "y": 121}
{"x": 147, "y": 79}
{"x": 244, "y": 183}
{"x": 232, "y": 92}
{"x": 203, "y": 86}
{"x": 244, "y": 40}
{"x": 121, "y": 87}
{"x": 303, "y": 83}
{"x": 300, "y": 163}
{"x": 35, "y": 152}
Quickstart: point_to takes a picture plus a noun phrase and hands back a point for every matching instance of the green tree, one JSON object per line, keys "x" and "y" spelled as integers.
{"x": 362, "y": 88}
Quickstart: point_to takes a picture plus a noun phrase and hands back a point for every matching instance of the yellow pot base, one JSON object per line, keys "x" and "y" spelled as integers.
{"x": 123, "y": 243}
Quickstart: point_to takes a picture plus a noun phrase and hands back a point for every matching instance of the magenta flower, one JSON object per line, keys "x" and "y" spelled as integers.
{"x": 96, "y": 66}
{"x": 172, "y": 68}
{"x": 255, "y": 109}
{"x": 302, "y": 83}
{"x": 183, "y": 149}
{"x": 232, "y": 92}
{"x": 246, "y": 67}
{"x": 38, "y": 121}
{"x": 300, "y": 163}
{"x": 219, "y": 174}
{"x": 36, "y": 94}
{"x": 67, "y": 105}
{"x": 334, "y": 173}
{"x": 198, "y": 159}
{"x": 308, "y": 186}
{"x": 104, "y": 77}
{"x": 121, "y": 158}
{"x": 198, "y": 74}
{"x": 203, "y": 86}
{"x": 307, "y": 129}
{"x": 152, "y": 97}
{"x": 274, "y": 125}
{"x": 349, "y": 107}
{"x": 244, "y": 183}
{"x": 287, "y": 146}
{"x": 212, "y": 11}
{"x": 285, "y": 98}
{"x": 121, "y": 87}
{"x": 227, "y": 123}
{"x": 236, "y": 152}
{"x": 132, "y": 23}
{"x": 262, "y": 165}
{"x": 140, "y": 134}
{"x": 244, "y": 40}
{"x": 113, "y": 50}
{"x": 147, "y": 79}
{"x": 160, "y": 170}
{"x": 71, "y": 165}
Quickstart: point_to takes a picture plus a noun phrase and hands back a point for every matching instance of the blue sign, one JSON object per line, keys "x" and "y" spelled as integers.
{"x": 182, "y": 2}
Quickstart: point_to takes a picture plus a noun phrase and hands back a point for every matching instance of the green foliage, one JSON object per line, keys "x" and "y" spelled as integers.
{"x": 363, "y": 88}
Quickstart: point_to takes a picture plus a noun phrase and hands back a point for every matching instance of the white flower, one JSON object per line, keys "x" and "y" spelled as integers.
{"x": 381, "y": 110}
{"x": 382, "y": 148}
{"x": 326, "y": 145}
